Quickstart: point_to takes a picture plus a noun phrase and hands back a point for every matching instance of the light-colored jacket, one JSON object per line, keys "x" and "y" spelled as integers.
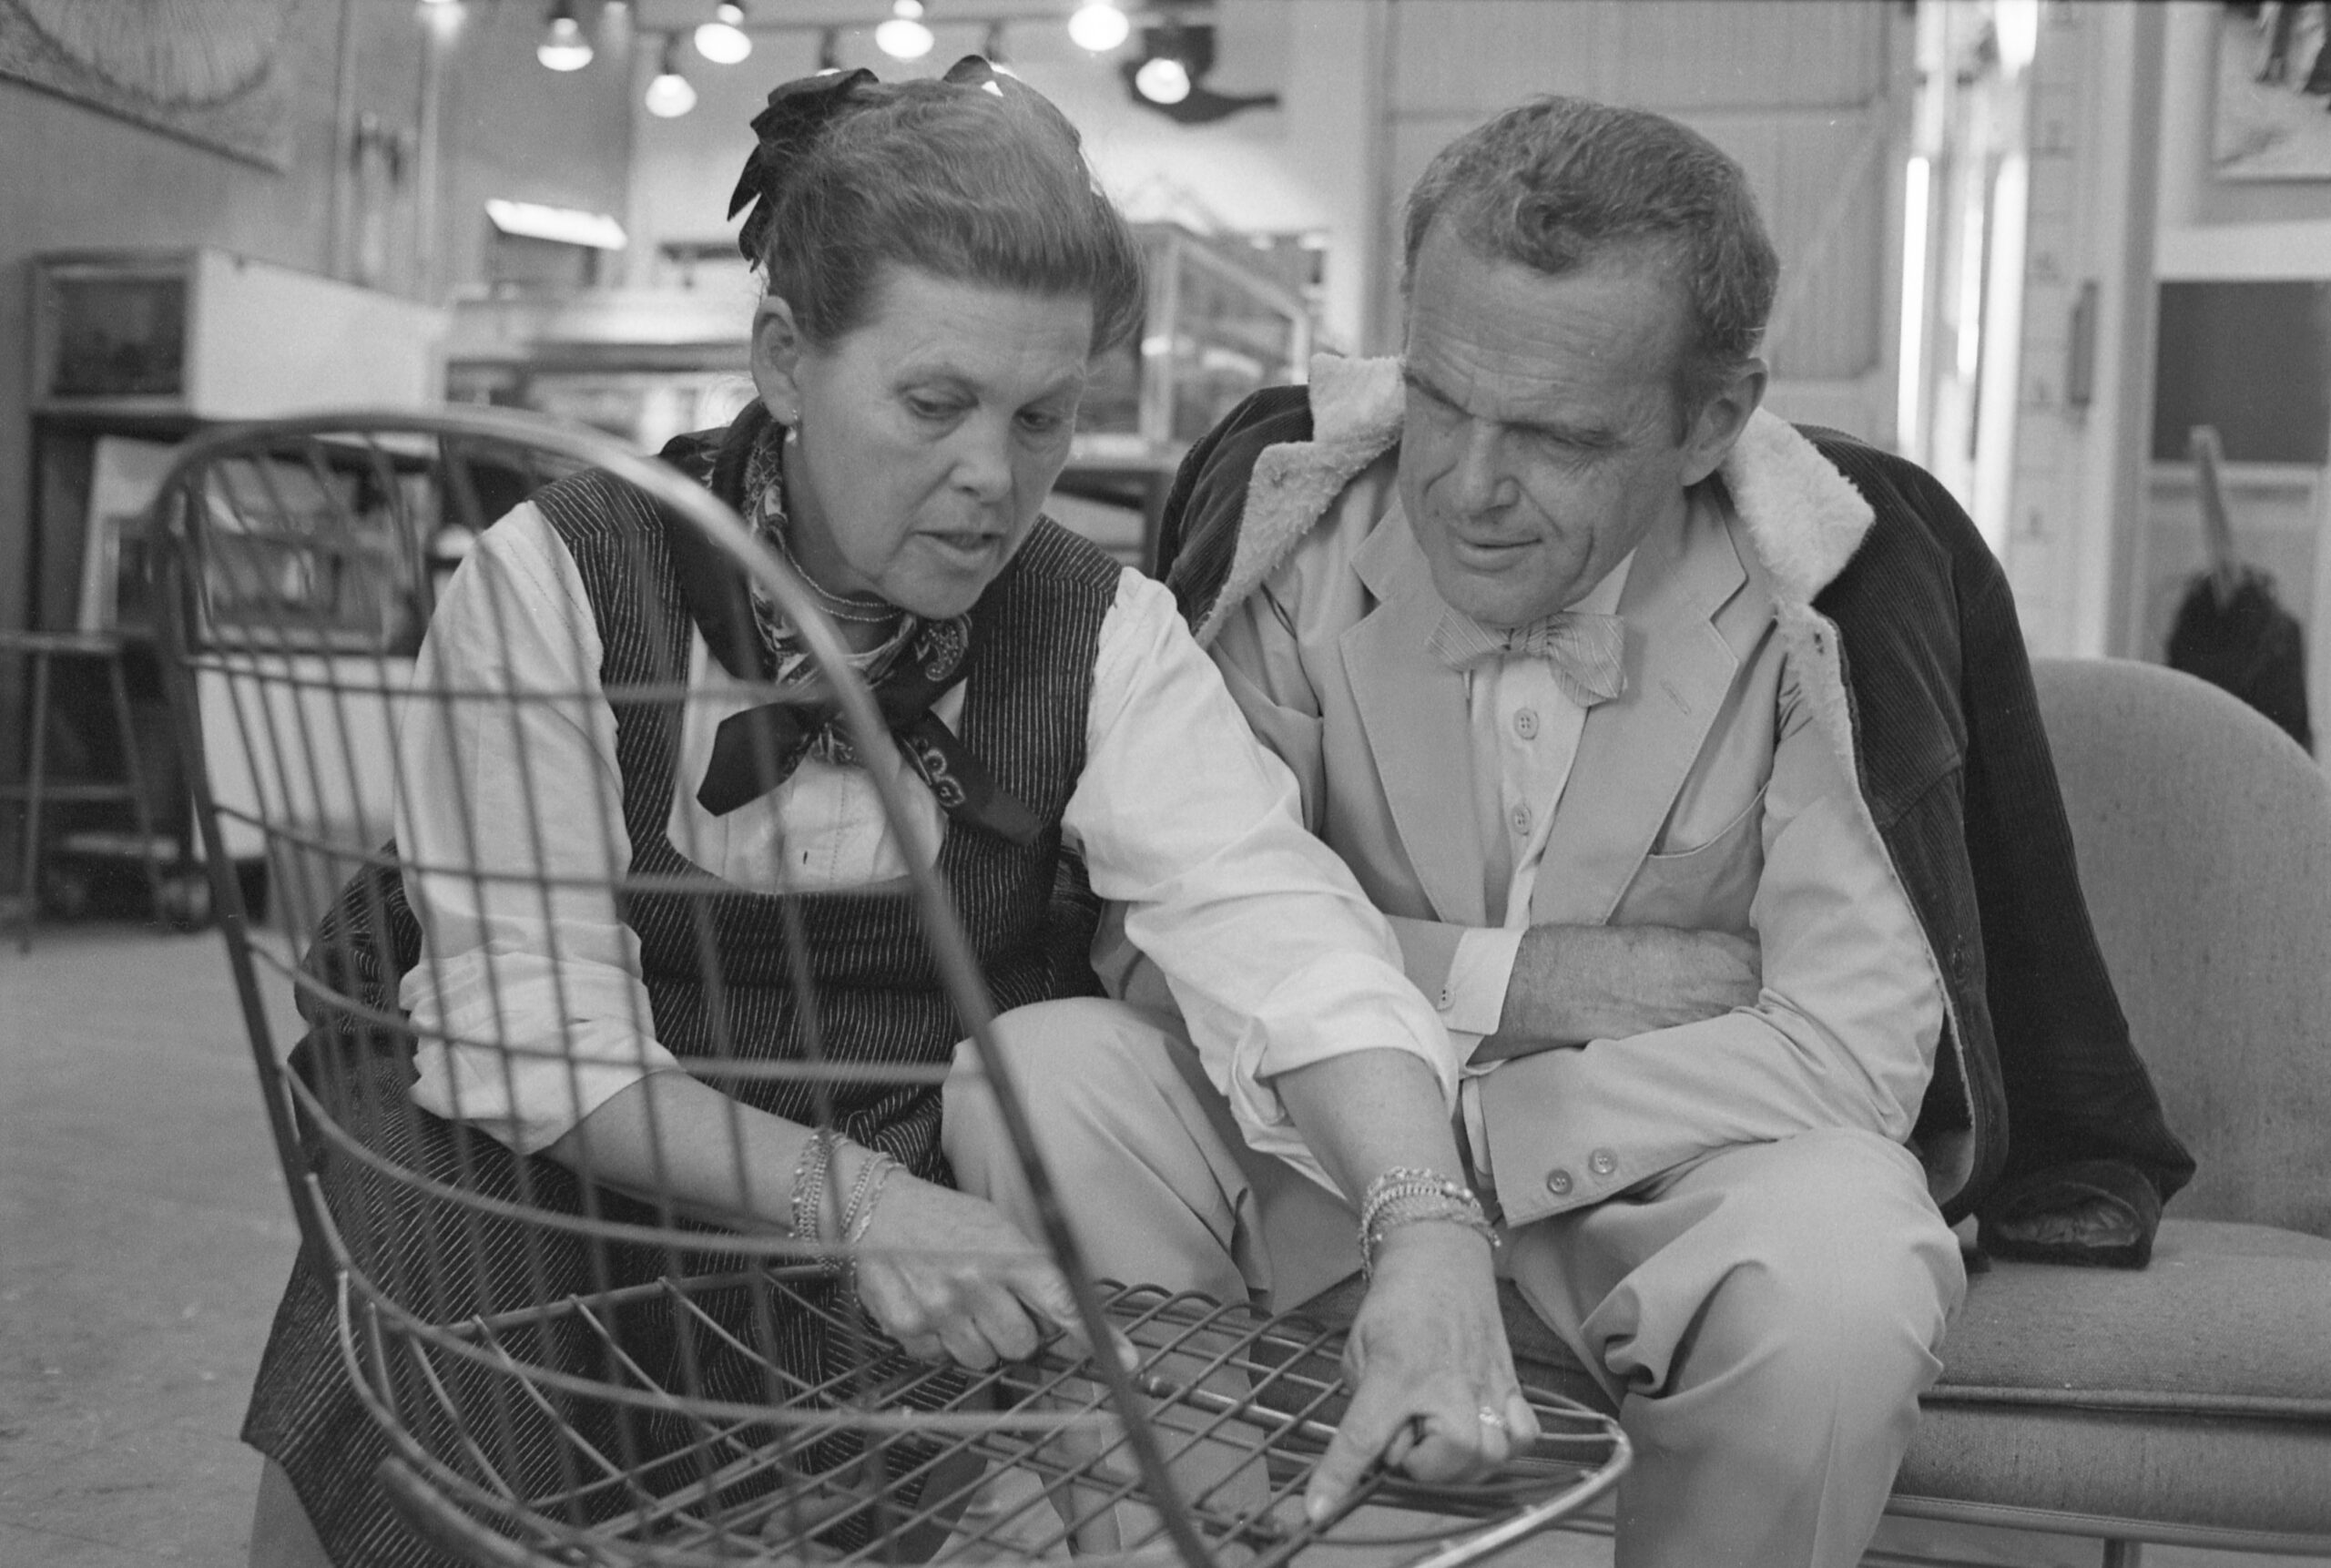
{"x": 1718, "y": 792}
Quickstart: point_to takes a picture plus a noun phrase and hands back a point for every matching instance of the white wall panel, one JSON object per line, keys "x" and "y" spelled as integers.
{"x": 1807, "y": 94}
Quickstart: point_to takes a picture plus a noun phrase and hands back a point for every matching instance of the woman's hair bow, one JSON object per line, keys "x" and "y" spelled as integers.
{"x": 797, "y": 112}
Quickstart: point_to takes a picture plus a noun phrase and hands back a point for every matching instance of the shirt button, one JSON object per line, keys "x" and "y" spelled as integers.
{"x": 1519, "y": 819}
{"x": 1601, "y": 1162}
{"x": 1558, "y": 1183}
{"x": 1525, "y": 724}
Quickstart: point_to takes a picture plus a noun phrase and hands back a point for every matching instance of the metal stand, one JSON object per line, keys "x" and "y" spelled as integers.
{"x": 36, "y": 789}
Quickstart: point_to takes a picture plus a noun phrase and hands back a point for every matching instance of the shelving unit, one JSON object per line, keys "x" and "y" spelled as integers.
{"x": 154, "y": 346}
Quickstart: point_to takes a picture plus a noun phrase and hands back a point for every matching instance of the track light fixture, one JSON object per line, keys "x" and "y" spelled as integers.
{"x": 669, "y": 96}
{"x": 1099, "y": 26}
{"x": 723, "y": 40}
{"x": 993, "y": 48}
{"x": 564, "y": 46}
{"x": 903, "y": 37}
{"x": 1170, "y": 75}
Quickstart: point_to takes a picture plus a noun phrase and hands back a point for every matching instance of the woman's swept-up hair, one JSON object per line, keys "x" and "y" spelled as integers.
{"x": 975, "y": 178}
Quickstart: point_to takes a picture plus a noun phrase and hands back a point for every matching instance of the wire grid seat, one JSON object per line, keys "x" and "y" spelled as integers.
{"x": 561, "y": 1372}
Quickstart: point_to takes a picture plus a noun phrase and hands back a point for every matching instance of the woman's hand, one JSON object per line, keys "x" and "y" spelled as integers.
{"x": 949, "y": 1277}
{"x": 1434, "y": 1389}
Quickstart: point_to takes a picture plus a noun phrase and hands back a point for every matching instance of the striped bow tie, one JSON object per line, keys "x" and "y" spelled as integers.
{"x": 1586, "y": 652}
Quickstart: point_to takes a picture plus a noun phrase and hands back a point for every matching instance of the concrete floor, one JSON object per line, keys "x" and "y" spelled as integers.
{"x": 144, "y": 1239}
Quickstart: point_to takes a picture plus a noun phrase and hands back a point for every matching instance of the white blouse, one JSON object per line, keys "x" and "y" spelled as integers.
{"x": 527, "y": 1000}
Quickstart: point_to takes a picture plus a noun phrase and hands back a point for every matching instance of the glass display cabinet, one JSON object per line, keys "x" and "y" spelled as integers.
{"x": 1217, "y": 330}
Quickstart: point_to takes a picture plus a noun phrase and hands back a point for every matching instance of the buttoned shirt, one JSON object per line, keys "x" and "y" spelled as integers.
{"x": 1525, "y": 730}
{"x": 528, "y": 1001}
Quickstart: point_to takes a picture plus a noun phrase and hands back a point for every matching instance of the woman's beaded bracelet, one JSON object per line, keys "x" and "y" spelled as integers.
{"x": 864, "y": 1194}
{"x": 810, "y": 1176}
{"x": 1409, "y": 1195}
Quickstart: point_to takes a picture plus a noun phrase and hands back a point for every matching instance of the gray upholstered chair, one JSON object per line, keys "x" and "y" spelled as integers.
{"x": 2189, "y": 1403}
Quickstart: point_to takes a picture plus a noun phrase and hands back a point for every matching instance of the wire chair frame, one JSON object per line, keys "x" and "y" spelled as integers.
{"x": 564, "y": 1374}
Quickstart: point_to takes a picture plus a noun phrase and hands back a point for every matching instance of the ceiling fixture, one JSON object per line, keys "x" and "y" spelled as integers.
{"x": 1098, "y": 27}
{"x": 563, "y": 47}
{"x": 723, "y": 40}
{"x": 669, "y": 96}
{"x": 1162, "y": 79}
{"x": 903, "y": 37}
{"x": 994, "y": 49}
{"x": 830, "y": 51}
{"x": 1170, "y": 75}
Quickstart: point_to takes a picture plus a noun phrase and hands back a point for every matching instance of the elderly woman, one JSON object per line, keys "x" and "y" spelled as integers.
{"x": 940, "y": 274}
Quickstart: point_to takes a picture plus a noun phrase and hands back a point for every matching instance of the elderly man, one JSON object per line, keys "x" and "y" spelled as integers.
{"x": 1682, "y": 750}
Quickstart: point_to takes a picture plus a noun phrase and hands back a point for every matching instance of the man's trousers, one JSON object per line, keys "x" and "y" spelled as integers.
{"x": 1763, "y": 1316}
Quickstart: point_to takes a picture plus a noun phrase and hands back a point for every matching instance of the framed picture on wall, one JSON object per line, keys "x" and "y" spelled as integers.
{"x": 211, "y": 72}
{"x": 2272, "y": 119}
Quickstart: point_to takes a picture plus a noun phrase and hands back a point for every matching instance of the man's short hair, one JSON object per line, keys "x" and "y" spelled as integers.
{"x": 1556, "y": 183}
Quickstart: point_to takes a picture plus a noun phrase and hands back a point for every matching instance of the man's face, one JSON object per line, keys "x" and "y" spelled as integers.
{"x": 1540, "y": 442}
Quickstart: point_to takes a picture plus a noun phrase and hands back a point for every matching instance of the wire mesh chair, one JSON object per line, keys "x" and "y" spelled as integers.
{"x": 563, "y": 1373}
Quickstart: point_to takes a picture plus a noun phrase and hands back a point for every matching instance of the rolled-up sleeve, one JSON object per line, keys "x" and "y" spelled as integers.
{"x": 526, "y": 1003}
{"x": 1272, "y": 953}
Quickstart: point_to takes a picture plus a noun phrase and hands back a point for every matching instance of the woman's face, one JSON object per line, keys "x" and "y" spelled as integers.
{"x": 928, "y": 437}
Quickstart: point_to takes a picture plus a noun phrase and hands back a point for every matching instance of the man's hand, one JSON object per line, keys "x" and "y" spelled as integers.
{"x": 1434, "y": 1393}
{"x": 1572, "y": 984}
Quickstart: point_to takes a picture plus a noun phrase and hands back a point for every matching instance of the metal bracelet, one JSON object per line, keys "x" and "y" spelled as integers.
{"x": 1424, "y": 1209}
{"x": 810, "y": 1175}
{"x": 1403, "y": 1181}
{"x": 1405, "y": 1196}
{"x": 864, "y": 1194}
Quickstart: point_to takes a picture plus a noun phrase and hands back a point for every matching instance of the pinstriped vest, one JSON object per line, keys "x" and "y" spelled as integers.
{"x": 713, "y": 955}
{"x": 1029, "y": 677}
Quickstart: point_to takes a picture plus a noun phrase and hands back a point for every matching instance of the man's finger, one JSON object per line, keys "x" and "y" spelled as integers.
{"x": 1455, "y": 1445}
{"x": 1520, "y": 1421}
{"x": 1369, "y": 1426}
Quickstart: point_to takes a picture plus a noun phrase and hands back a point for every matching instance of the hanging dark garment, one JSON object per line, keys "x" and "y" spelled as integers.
{"x": 2246, "y": 642}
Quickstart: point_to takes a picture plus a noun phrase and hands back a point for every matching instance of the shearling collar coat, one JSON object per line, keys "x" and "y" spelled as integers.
{"x": 2038, "y": 1103}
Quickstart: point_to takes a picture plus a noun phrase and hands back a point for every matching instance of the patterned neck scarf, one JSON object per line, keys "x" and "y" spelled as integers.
{"x": 916, "y": 663}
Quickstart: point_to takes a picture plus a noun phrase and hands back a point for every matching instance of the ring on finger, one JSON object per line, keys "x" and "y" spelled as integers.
{"x": 1489, "y": 1417}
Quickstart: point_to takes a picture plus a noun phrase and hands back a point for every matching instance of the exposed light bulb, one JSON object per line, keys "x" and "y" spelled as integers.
{"x": 1164, "y": 80}
{"x": 564, "y": 46}
{"x": 903, "y": 37}
{"x": 723, "y": 40}
{"x": 2017, "y": 23}
{"x": 1099, "y": 26}
{"x": 669, "y": 96}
